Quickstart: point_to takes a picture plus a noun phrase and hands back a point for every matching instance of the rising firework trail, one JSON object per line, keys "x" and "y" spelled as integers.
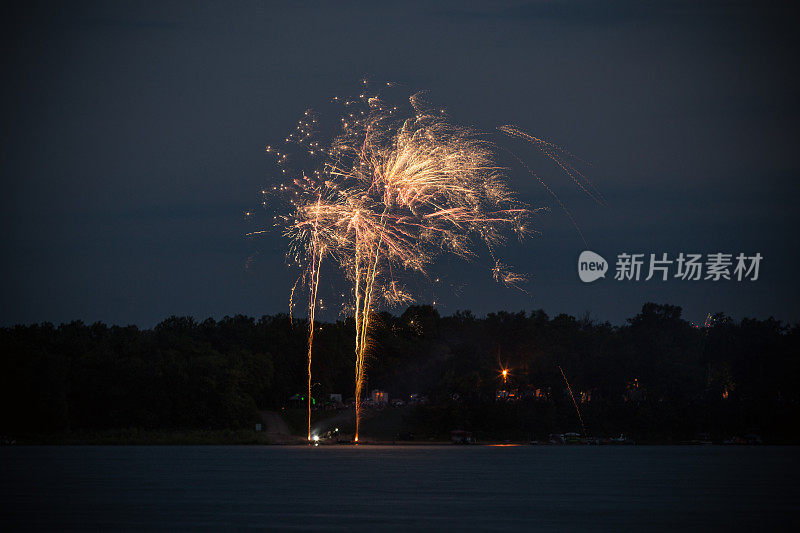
{"x": 316, "y": 264}
{"x": 580, "y": 418}
{"x": 391, "y": 191}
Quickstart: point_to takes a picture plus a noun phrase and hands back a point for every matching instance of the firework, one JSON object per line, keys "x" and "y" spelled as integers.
{"x": 577, "y": 410}
{"x": 388, "y": 194}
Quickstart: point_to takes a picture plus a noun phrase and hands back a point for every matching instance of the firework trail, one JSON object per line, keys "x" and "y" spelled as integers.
{"x": 573, "y": 400}
{"x": 316, "y": 264}
{"x": 392, "y": 191}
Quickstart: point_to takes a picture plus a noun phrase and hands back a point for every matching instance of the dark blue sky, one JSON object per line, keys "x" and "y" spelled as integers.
{"x": 133, "y": 137}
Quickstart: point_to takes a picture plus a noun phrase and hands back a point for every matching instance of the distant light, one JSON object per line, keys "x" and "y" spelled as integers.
{"x": 315, "y": 438}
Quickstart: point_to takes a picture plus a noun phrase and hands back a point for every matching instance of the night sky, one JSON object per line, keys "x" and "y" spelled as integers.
{"x": 133, "y": 140}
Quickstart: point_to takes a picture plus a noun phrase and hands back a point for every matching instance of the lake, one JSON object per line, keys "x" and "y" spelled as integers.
{"x": 326, "y": 488}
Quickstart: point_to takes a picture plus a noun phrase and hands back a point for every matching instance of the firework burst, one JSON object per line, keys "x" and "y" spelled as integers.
{"x": 388, "y": 194}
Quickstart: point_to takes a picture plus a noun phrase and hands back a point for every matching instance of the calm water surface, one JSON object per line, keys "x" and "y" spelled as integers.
{"x": 180, "y": 488}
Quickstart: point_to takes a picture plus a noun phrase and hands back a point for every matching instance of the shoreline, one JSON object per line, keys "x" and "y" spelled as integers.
{"x": 249, "y": 438}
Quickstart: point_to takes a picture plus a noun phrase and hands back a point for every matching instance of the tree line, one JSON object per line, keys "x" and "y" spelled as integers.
{"x": 657, "y": 375}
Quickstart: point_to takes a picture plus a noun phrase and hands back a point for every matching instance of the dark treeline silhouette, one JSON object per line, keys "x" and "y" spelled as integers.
{"x": 657, "y": 377}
